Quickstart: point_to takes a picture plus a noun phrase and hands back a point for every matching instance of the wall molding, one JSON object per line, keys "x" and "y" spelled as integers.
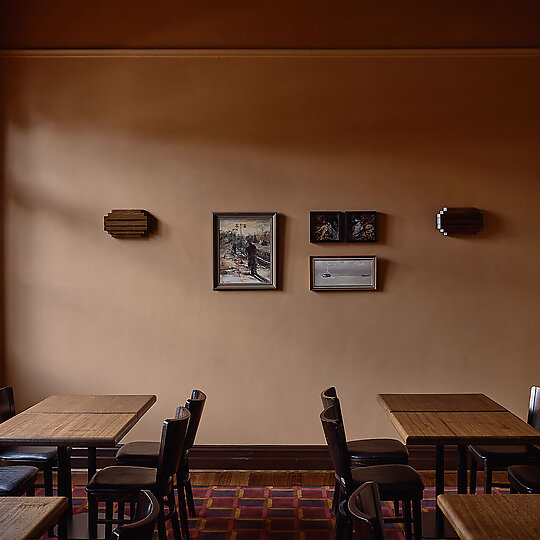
{"x": 269, "y": 457}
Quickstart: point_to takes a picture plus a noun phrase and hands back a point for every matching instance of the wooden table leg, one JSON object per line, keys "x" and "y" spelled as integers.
{"x": 462, "y": 469}
{"x": 92, "y": 463}
{"x": 64, "y": 488}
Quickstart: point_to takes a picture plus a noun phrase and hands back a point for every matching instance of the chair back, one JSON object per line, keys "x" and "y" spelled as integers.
{"x": 146, "y": 516}
{"x": 173, "y": 436}
{"x": 195, "y": 406}
{"x": 337, "y": 444}
{"x": 366, "y": 513}
{"x": 534, "y": 408}
{"x": 7, "y": 403}
{"x": 329, "y": 399}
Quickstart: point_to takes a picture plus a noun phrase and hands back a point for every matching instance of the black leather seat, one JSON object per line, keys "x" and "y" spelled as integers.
{"x": 500, "y": 457}
{"x": 393, "y": 481}
{"x": 42, "y": 457}
{"x": 524, "y": 478}
{"x": 366, "y": 452}
{"x": 121, "y": 479}
{"x": 139, "y": 453}
{"x": 17, "y": 480}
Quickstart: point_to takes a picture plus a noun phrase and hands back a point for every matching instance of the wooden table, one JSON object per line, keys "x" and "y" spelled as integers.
{"x": 445, "y": 419}
{"x": 28, "y": 518}
{"x": 64, "y": 425}
{"x": 490, "y": 517}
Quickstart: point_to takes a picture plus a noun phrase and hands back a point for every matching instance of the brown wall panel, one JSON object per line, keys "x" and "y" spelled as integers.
{"x": 267, "y": 24}
{"x": 182, "y": 136}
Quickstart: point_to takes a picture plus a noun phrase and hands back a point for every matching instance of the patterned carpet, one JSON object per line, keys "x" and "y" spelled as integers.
{"x": 268, "y": 513}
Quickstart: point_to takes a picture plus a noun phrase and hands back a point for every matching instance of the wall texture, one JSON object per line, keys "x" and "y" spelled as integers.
{"x": 184, "y": 135}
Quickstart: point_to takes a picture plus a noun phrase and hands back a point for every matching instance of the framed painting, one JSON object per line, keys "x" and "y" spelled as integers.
{"x": 361, "y": 226}
{"x": 244, "y": 246}
{"x": 343, "y": 273}
{"x": 325, "y": 227}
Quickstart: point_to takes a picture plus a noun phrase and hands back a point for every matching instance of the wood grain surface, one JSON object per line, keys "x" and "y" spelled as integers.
{"x": 437, "y": 402}
{"x": 72, "y": 429}
{"x": 492, "y": 517}
{"x": 103, "y": 404}
{"x": 486, "y": 427}
{"x": 27, "y": 518}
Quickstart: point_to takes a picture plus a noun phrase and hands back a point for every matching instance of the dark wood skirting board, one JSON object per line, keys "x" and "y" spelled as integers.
{"x": 269, "y": 457}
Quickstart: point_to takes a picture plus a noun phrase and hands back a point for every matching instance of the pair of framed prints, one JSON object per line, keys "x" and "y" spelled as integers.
{"x": 244, "y": 258}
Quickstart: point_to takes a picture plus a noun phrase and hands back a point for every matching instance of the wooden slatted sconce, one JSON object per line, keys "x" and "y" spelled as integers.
{"x": 459, "y": 221}
{"x": 127, "y": 223}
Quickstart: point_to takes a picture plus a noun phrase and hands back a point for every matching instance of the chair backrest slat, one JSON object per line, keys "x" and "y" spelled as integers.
{"x": 366, "y": 512}
{"x": 534, "y": 408}
{"x": 195, "y": 405}
{"x": 7, "y": 403}
{"x": 337, "y": 444}
{"x": 173, "y": 436}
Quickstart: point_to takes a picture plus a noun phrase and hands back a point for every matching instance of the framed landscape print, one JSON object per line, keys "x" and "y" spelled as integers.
{"x": 343, "y": 273}
{"x": 361, "y": 226}
{"x": 244, "y": 247}
{"x": 325, "y": 227}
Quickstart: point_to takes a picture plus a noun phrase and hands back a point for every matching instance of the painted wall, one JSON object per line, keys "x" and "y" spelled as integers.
{"x": 182, "y": 135}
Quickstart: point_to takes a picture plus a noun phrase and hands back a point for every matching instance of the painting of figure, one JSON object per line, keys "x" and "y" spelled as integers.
{"x": 325, "y": 227}
{"x": 361, "y": 226}
{"x": 244, "y": 251}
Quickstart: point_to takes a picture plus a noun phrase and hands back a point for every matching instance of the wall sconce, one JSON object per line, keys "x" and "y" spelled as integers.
{"x": 459, "y": 221}
{"x": 126, "y": 223}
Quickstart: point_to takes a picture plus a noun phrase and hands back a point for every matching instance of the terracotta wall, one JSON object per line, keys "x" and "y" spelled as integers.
{"x": 184, "y": 135}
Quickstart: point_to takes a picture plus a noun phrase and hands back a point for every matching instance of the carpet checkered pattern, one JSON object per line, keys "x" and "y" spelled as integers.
{"x": 268, "y": 513}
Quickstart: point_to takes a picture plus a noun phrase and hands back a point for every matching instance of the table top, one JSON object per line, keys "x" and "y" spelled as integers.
{"x": 490, "y": 517}
{"x": 28, "y": 518}
{"x": 437, "y": 402}
{"x": 487, "y": 427}
{"x": 103, "y": 404}
{"x": 69, "y": 429}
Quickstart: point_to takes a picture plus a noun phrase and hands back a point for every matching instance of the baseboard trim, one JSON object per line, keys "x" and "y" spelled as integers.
{"x": 268, "y": 457}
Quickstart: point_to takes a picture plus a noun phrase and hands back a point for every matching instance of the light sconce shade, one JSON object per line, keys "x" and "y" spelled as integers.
{"x": 126, "y": 223}
{"x": 459, "y": 221}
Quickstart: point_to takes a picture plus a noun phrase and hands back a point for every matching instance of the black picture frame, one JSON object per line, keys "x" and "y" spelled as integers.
{"x": 232, "y": 235}
{"x": 361, "y": 226}
{"x": 325, "y": 227}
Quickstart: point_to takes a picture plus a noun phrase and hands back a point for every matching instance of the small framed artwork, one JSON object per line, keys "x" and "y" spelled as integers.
{"x": 244, "y": 246}
{"x": 325, "y": 227}
{"x": 361, "y": 226}
{"x": 343, "y": 273}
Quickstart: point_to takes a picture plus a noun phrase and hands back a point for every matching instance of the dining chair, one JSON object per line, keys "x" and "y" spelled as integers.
{"x": 145, "y": 454}
{"x": 16, "y": 480}
{"x": 146, "y": 515}
{"x": 524, "y": 478}
{"x": 365, "y": 452}
{"x": 366, "y": 513}
{"x": 123, "y": 482}
{"x": 42, "y": 457}
{"x": 500, "y": 457}
{"x": 395, "y": 482}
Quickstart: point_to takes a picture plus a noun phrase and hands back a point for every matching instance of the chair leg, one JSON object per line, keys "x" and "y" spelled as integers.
{"x": 92, "y": 517}
{"x": 335, "y": 498}
{"x": 182, "y": 511}
{"x": 396, "y": 508}
{"x": 190, "y": 500}
{"x": 173, "y": 515}
{"x": 407, "y": 519}
{"x": 474, "y": 467}
{"x": 108, "y": 517}
{"x": 48, "y": 481}
{"x": 121, "y": 510}
{"x": 31, "y": 491}
{"x": 162, "y": 531}
{"x": 417, "y": 519}
{"x": 488, "y": 471}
